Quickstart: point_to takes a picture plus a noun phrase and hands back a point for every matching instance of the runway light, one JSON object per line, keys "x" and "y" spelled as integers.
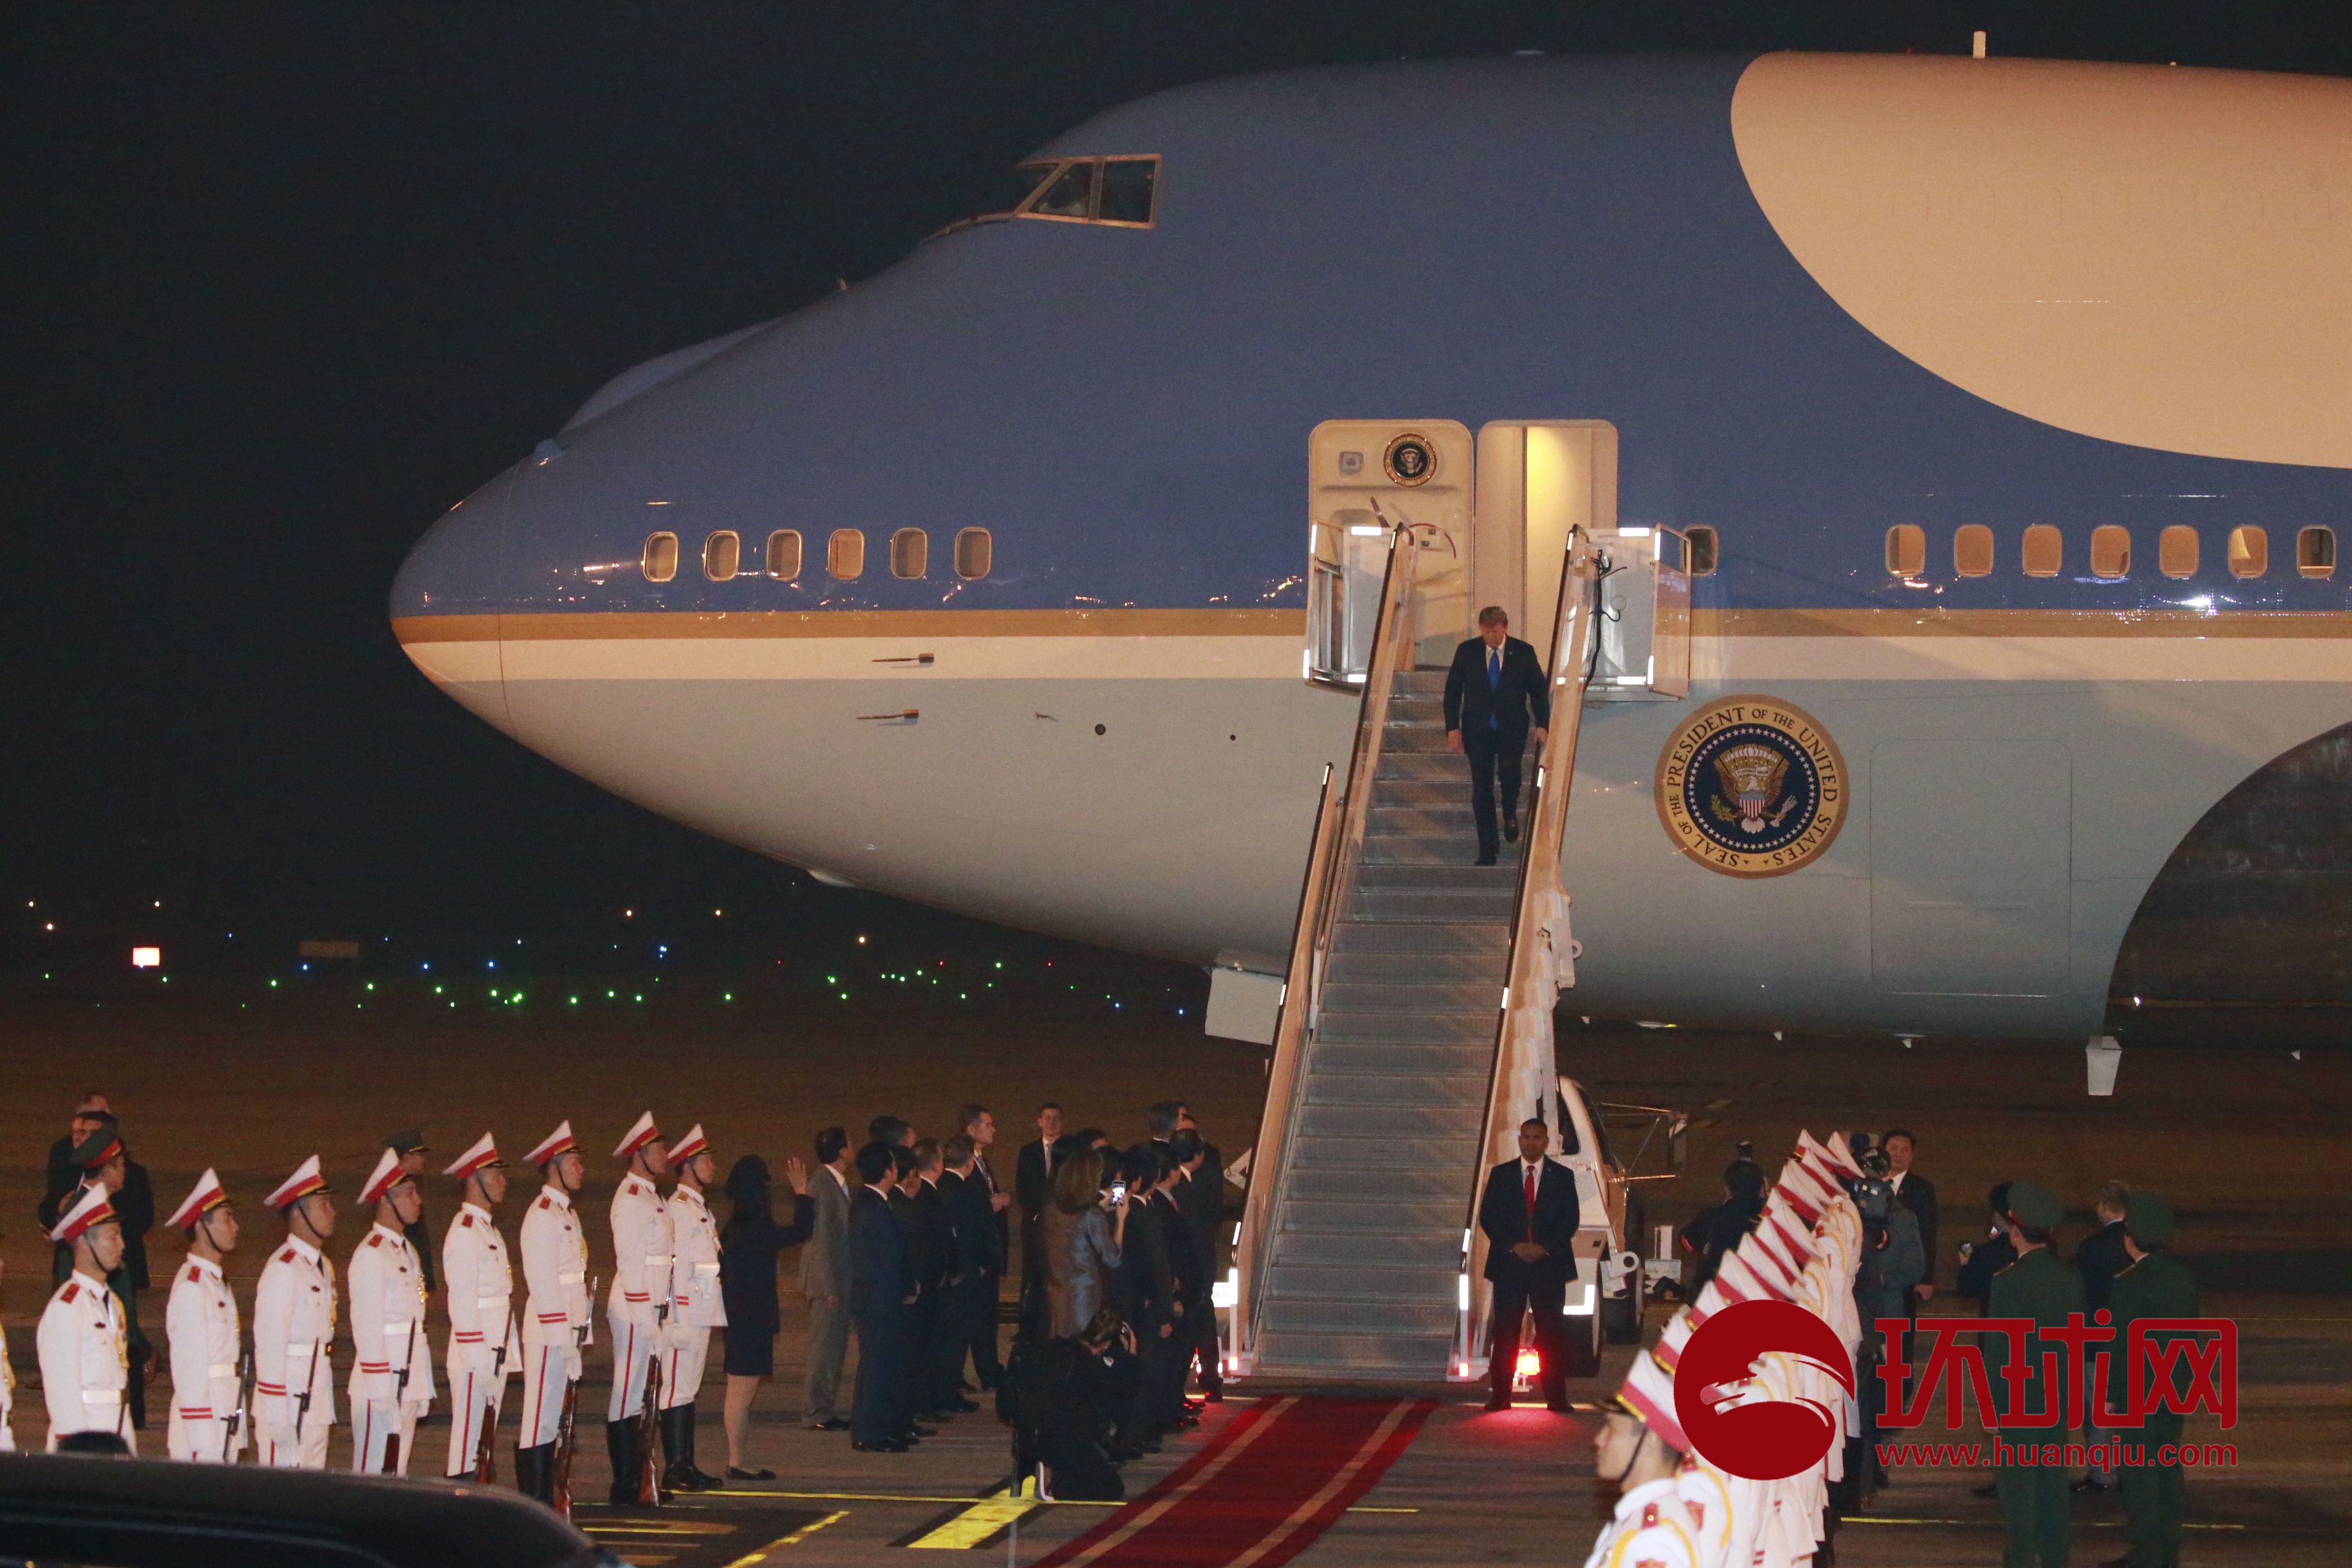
{"x": 146, "y": 958}
{"x": 861, "y": 939}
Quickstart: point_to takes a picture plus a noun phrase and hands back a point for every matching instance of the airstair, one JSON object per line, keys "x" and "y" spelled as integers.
{"x": 1401, "y": 1066}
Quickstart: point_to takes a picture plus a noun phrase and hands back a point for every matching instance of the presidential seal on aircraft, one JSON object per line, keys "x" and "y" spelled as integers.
{"x": 1752, "y": 787}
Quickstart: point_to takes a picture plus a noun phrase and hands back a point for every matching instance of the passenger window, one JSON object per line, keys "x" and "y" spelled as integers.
{"x": 1126, "y": 191}
{"x": 2176, "y": 551}
{"x": 1070, "y": 196}
{"x": 2249, "y": 552}
{"x": 1906, "y": 549}
{"x": 2110, "y": 551}
{"x": 2315, "y": 552}
{"x": 721, "y": 553}
{"x": 1701, "y": 553}
{"x": 910, "y": 553}
{"x": 975, "y": 553}
{"x": 845, "y": 555}
{"x": 1972, "y": 551}
{"x": 2045, "y": 550}
{"x": 784, "y": 554}
{"x": 660, "y": 560}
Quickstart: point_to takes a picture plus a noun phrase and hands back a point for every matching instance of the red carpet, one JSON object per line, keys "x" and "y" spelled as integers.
{"x": 1274, "y": 1478}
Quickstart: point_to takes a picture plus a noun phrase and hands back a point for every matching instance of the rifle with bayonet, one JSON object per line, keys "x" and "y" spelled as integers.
{"x": 567, "y": 1433}
{"x": 485, "y": 1460}
{"x": 236, "y": 1417}
{"x": 650, "y": 1468}
{"x": 399, "y": 1397}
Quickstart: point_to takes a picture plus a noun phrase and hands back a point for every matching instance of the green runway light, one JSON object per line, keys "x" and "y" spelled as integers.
{"x": 575, "y": 1001}
{"x": 640, "y": 996}
{"x": 273, "y": 983}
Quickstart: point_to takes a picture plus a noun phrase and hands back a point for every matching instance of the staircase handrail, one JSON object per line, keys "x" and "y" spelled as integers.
{"x": 1341, "y": 820}
{"x": 1523, "y": 1038}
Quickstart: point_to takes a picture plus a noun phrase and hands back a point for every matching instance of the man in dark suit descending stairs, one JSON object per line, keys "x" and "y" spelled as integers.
{"x": 1496, "y": 684}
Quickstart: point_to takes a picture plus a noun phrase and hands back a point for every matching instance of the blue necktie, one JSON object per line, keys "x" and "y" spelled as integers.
{"x": 1494, "y": 684}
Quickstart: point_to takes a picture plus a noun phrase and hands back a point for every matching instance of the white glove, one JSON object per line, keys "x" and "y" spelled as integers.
{"x": 571, "y": 1364}
{"x": 482, "y": 1361}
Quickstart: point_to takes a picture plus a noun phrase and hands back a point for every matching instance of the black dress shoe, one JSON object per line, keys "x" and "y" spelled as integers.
{"x": 836, "y": 1424}
{"x": 1988, "y": 1489}
{"x": 735, "y": 1475}
{"x": 1497, "y": 1403}
{"x": 1510, "y": 828}
{"x": 959, "y": 1406}
{"x": 920, "y": 1431}
{"x": 1484, "y": 860}
{"x": 2090, "y": 1484}
{"x": 887, "y": 1446}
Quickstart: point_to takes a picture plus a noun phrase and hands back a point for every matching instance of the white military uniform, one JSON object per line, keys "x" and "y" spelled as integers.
{"x": 205, "y": 1338}
{"x": 483, "y": 1350}
{"x": 696, "y": 1306}
{"x": 1649, "y": 1530}
{"x": 85, "y": 1361}
{"x": 555, "y": 1273}
{"x": 639, "y": 1300}
{"x": 387, "y": 1290}
{"x": 7, "y": 1397}
{"x": 293, "y": 1340}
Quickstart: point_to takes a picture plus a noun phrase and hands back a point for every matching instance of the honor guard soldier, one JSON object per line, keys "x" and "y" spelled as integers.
{"x": 391, "y": 1372}
{"x": 2156, "y": 1285}
{"x": 85, "y": 1356}
{"x": 207, "y": 1337}
{"x": 639, "y": 1302}
{"x": 483, "y": 1350}
{"x": 555, "y": 1312}
{"x": 695, "y": 1307}
{"x": 2034, "y": 1503}
{"x": 294, "y": 1327}
{"x": 7, "y": 1395}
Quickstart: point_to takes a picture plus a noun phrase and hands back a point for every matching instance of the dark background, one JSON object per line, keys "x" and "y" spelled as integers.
{"x": 282, "y": 283}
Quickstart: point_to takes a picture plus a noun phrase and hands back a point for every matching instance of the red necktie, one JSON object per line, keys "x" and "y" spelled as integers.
{"x": 1531, "y": 1202}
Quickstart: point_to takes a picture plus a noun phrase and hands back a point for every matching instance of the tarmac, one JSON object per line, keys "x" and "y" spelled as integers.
{"x": 2248, "y": 1146}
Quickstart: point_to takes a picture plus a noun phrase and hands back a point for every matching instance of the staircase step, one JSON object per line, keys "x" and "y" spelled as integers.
{"x": 1424, "y": 904}
{"x": 1329, "y": 1156}
{"x": 1418, "y": 1029}
{"x": 1418, "y": 683}
{"x": 1357, "y": 1281}
{"x": 1492, "y": 937}
{"x": 1325, "y": 1201}
{"x": 1350, "y": 1321}
{"x": 1387, "y": 994}
{"x": 1461, "y": 877}
{"x": 1440, "y": 1249}
{"x": 1434, "y": 1060}
{"x": 1370, "y": 1358}
{"x": 1412, "y": 1092}
{"x": 1483, "y": 968}
{"x": 1380, "y": 1121}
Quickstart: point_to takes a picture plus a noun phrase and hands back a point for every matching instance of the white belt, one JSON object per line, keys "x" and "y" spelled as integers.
{"x": 491, "y": 1300}
{"x": 706, "y": 1268}
{"x": 570, "y": 1278}
{"x": 220, "y": 1369}
{"x": 657, "y": 1260}
{"x": 300, "y": 1347}
{"x": 102, "y": 1396}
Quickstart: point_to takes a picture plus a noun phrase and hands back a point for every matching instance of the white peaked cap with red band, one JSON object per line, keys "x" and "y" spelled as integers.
{"x": 559, "y": 1142}
{"x": 206, "y": 1196}
{"x": 1838, "y": 1152}
{"x": 638, "y": 1136}
{"x": 687, "y": 1147}
{"x": 305, "y": 1180}
{"x": 386, "y": 1175}
{"x": 481, "y": 1156}
{"x": 1676, "y": 1336}
{"x": 92, "y": 1208}
{"x": 1649, "y": 1393}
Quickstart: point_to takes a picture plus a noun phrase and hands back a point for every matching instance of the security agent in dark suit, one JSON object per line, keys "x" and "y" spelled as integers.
{"x": 1496, "y": 684}
{"x": 1033, "y": 1186}
{"x": 1528, "y": 1261}
{"x": 881, "y": 1288}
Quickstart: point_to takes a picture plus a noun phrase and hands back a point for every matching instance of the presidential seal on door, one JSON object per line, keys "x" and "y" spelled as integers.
{"x": 1752, "y": 787}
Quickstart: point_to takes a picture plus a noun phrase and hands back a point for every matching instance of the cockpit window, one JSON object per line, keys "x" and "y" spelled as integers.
{"x": 1071, "y": 193}
{"x": 1119, "y": 192}
{"x": 1127, "y": 190}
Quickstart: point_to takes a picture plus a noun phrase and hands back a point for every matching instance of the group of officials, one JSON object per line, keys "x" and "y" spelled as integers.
{"x": 664, "y": 1300}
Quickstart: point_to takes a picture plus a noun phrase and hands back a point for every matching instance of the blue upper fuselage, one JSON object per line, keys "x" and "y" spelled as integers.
{"x": 1128, "y": 409}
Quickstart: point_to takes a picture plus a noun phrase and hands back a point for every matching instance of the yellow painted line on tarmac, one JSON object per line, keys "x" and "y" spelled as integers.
{"x": 976, "y": 1523}
{"x": 657, "y": 1527}
{"x": 749, "y": 1559}
{"x": 1995, "y": 1524}
{"x": 965, "y": 1500}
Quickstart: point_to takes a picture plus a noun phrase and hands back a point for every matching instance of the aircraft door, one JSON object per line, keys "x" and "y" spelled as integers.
{"x": 1367, "y": 476}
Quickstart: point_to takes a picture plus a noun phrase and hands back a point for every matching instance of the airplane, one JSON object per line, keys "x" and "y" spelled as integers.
{"x": 2002, "y": 408}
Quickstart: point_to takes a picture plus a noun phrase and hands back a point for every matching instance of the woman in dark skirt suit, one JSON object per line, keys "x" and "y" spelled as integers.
{"x": 748, "y": 1246}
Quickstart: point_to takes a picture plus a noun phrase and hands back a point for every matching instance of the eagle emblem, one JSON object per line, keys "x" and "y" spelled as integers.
{"x": 1751, "y": 776}
{"x": 1751, "y": 787}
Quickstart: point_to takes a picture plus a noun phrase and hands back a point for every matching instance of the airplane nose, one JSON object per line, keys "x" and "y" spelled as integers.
{"x": 446, "y": 602}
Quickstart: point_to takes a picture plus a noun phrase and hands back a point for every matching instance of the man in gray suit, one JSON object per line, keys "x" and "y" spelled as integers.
{"x": 824, "y": 1278}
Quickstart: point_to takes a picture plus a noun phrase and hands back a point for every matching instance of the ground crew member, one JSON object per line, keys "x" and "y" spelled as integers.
{"x": 555, "y": 1312}
{"x": 2154, "y": 1285}
{"x": 294, "y": 1327}
{"x": 2034, "y": 1500}
{"x": 207, "y": 1420}
{"x": 483, "y": 1350}
{"x": 639, "y": 1303}
{"x": 391, "y": 1369}
{"x": 85, "y": 1356}
{"x": 695, "y": 1307}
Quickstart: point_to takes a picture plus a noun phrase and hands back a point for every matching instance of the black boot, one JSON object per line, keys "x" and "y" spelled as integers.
{"x": 678, "y": 1443}
{"x": 628, "y": 1459}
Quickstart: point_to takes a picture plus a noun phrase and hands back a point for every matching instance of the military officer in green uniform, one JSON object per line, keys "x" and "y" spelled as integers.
{"x": 2033, "y": 1497}
{"x": 2155, "y": 1286}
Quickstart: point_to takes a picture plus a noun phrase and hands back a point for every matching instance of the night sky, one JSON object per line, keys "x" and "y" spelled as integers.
{"x": 284, "y": 282}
